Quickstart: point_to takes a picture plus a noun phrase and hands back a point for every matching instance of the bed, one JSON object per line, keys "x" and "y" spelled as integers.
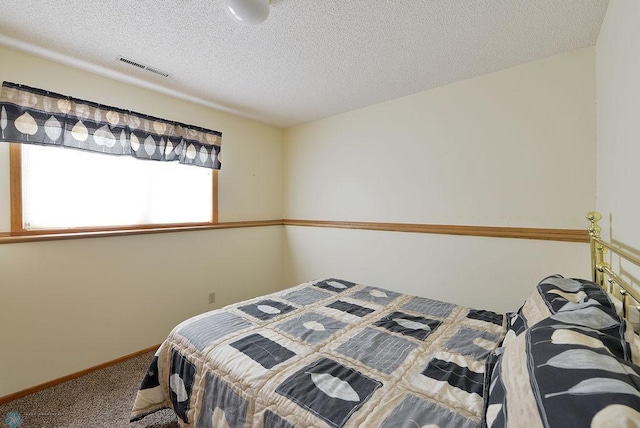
{"x": 333, "y": 353}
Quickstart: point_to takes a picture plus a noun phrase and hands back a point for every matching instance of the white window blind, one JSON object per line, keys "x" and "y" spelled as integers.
{"x": 66, "y": 188}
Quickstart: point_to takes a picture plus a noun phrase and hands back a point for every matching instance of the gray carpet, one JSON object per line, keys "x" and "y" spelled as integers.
{"x": 99, "y": 399}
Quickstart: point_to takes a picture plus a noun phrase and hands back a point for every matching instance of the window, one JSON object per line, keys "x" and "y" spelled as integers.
{"x": 65, "y": 190}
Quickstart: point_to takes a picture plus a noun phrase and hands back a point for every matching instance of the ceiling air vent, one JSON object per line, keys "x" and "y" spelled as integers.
{"x": 143, "y": 66}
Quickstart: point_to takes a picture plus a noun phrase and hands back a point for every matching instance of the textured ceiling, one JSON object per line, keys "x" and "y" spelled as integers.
{"x": 311, "y": 58}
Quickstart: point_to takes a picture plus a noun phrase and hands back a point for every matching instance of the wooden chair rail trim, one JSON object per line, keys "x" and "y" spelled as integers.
{"x": 565, "y": 235}
{"x": 547, "y": 234}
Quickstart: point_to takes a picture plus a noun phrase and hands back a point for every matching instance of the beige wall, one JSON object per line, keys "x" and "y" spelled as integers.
{"x": 618, "y": 89}
{"x": 68, "y": 305}
{"x": 512, "y": 148}
{"x": 251, "y": 179}
{"x": 479, "y": 272}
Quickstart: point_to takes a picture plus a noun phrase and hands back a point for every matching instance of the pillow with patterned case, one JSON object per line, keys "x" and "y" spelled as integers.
{"x": 574, "y": 301}
{"x": 561, "y": 374}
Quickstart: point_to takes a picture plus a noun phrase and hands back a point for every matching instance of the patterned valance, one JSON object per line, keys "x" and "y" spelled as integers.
{"x": 36, "y": 116}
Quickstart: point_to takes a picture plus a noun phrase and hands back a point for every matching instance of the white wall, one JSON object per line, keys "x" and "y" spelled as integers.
{"x": 512, "y": 148}
{"x": 618, "y": 95}
{"x": 69, "y": 305}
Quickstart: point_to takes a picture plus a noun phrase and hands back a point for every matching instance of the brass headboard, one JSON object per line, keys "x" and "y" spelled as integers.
{"x": 605, "y": 277}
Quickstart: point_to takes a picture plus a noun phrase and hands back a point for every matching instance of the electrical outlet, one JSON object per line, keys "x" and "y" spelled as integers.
{"x": 212, "y": 297}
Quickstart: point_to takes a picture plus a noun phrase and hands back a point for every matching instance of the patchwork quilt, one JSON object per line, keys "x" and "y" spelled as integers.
{"x": 328, "y": 353}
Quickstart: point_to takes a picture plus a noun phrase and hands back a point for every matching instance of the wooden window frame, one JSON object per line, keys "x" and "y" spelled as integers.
{"x": 17, "y": 227}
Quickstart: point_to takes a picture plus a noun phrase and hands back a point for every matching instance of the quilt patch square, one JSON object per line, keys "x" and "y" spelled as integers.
{"x": 311, "y": 327}
{"x": 306, "y": 296}
{"x": 426, "y": 306}
{"x": 263, "y": 351}
{"x": 335, "y": 285}
{"x": 409, "y": 325}
{"x": 350, "y": 308}
{"x": 271, "y": 420}
{"x": 151, "y": 379}
{"x": 218, "y": 395}
{"x": 329, "y": 390}
{"x": 376, "y": 295}
{"x": 415, "y": 412}
{"x": 378, "y": 350}
{"x": 266, "y": 309}
{"x": 210, "y": 328}
{"x": 458, "y": 376}
{"x": 181, "y": 380}
{"x": 486, "y": 316}
{"x": 472, "y": 343}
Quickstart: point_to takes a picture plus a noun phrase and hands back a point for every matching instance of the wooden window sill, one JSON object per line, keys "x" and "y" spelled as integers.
{"x": 8, "y": 238}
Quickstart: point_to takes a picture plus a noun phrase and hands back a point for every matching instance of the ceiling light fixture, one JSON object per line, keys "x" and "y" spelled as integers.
{"x": 248, "y": 12}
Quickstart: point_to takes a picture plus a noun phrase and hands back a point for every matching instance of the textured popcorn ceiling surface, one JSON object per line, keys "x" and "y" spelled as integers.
{"x": 311, "y": 58}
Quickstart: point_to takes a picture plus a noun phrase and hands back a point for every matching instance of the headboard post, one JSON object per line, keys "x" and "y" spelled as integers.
{"x": 603, "y": 274}
{"x": 597, "y": 251}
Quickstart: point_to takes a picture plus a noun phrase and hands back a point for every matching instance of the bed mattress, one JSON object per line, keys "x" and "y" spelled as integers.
{"x": 327, "y": 353}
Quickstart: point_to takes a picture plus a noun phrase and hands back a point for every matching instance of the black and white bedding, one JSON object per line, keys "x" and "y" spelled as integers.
{"x": 328, "y": 353}
{"x": 568, "y": 359}
{"x": 332, "y": 353}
